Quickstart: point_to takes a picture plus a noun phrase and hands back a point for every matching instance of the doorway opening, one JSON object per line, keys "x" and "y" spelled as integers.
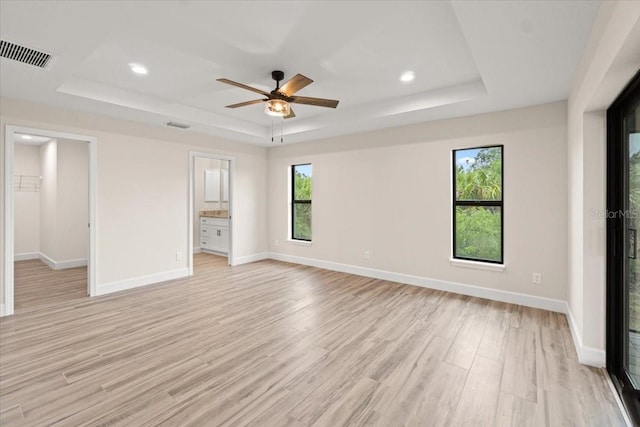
{"x": 210, "y": 210}
{"x": 50, "y": 209}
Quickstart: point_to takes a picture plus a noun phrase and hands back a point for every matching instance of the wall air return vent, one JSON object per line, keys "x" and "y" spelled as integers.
{"x": 178, "y": 125}
{"x": 24, "y": 54}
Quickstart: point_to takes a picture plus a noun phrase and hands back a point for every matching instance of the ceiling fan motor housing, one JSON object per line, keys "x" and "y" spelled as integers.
{"x": 277, "y": 75}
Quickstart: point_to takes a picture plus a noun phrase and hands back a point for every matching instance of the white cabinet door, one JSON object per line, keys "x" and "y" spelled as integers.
{"x": 219, "y": 239}
{"x": 214, "y": 234}
{"x": 224, "y": 239}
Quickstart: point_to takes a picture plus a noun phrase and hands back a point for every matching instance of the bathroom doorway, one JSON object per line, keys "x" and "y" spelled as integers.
{"x": 210, "y": 210}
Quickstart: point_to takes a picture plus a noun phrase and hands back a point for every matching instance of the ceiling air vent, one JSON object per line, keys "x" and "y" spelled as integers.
{"x": 178, "y": 125}
{"x": 24, "y": 54}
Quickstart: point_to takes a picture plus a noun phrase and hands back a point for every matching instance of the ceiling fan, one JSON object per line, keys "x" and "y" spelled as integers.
{"x": 277, "y": 101}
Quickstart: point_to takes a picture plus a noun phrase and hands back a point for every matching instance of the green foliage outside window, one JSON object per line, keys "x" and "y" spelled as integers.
{"x": 301, "y": 227}
{"x": 478, "y": 222}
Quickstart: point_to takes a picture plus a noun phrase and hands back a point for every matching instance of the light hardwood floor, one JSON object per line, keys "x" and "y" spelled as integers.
{"x": 32, "y": 276}
{"x": 276, "y": 344}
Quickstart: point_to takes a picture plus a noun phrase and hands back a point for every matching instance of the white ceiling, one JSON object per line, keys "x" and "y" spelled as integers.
{"x": 469, "y": 57}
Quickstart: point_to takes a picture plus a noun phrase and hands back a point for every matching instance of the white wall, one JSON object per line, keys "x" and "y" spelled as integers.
{"x": 142, "y": 190}
{"x": 389, "y": 193}
{"x": 49, "y": 199}
{"x": 64, "y": 203}
{"x": 26, "y": 202}
{"x": 610, "y": 60}
{"x": 72, "y": 203}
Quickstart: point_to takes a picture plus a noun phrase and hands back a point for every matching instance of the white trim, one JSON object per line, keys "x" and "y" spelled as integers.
{"x": 8, "y": 294}
{"x": 72, "y": 263}
{"x": 476, "y": 265}
{"x": 550, "y": 304}
{"x": 92, "y": 263}
{"x": 586, "y": 355}
{"x": 137, "y": 282}
{"x": 299, "y": 242}
{"x": 61, "y": 265}
{"x": 2, "y": 314}
{"x": 232, "y": 175}
{"x": 50, "y": 262}
{"x": 26, "y": 256}
{"x": 251, "y": 258}
{"x": 196, "y": 250}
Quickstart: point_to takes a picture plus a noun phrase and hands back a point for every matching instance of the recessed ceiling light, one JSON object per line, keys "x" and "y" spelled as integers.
{"x": 407, "y": 76}
{"x": 138, "y": 69}
{"x": 26, "y": 137}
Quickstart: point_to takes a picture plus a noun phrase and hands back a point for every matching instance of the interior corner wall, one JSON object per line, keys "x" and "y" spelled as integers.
{"x": 26, "y": 201}
{"x": 49, "y": 200}
{"x": 142, "y": 191}
{"x": 609, "y": 62}
{"x": 389, "y": 193}
{"x": 72, "y": 202}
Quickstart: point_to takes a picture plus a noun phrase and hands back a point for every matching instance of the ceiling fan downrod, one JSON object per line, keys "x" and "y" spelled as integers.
{"x": 277, "y": 75}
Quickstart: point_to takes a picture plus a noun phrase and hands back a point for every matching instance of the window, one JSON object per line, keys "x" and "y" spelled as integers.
{"x": 301, "y": 202}
{"x": 477, "y": 204}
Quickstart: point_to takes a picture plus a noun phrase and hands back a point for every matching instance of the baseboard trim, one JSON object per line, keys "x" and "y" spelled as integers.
{"x": 26, "y": 256}
{"x": 72, "y": 263}
{"x": 586, "y": 355}
{"x": 197, "y": 250}
{"x": 137, "y": 282}
{"x": 251, "y": 258}
{"x": 51, "y": 263}
{"x": 442, "y": 285}
{"x": 61, "y": 265}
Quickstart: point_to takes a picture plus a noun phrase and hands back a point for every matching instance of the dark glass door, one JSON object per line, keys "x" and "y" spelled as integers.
{"x": 623, "y": 248}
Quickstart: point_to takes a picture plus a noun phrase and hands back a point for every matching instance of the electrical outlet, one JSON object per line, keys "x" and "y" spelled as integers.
{"x": 178, "y": 256}
{"x": 536, "y": 279}
{"x": 367, "y": 255}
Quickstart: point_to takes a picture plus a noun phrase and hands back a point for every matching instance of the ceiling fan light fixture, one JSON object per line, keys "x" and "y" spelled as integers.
{"x": 277, "y": 108}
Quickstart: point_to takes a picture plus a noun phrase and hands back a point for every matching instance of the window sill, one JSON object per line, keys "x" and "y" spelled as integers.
{"x": 477, "y": 265}
{"x": 299, "y": 242}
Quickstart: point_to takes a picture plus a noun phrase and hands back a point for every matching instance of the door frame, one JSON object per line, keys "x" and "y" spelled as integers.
{"x": 616, "y": 299}
{"x": 10, "y": 130}
{"x": 232, "y": 166}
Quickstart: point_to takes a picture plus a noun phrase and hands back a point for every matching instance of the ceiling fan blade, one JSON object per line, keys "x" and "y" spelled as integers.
{"x": 319, "y": 102}
{"x": 240, "y": 85}
{"x": 242, "y": 104}
{"x": 296, "y": 83}
{"x": 291, "y": 114}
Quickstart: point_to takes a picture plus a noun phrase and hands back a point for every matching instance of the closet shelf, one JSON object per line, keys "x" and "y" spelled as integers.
{"x": 26, "y": 183}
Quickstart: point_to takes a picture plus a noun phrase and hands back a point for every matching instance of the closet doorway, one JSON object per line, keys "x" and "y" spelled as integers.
{"x": 210, "y": 209}
{"x": 49, "y": 209}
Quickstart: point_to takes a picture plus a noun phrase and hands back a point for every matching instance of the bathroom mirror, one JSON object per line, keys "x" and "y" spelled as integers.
{"x": 212, "y": 185}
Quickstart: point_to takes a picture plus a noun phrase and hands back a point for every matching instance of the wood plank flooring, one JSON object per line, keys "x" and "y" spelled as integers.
{"x": 276, "y": 344}
{"x": 33, "y": 276}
